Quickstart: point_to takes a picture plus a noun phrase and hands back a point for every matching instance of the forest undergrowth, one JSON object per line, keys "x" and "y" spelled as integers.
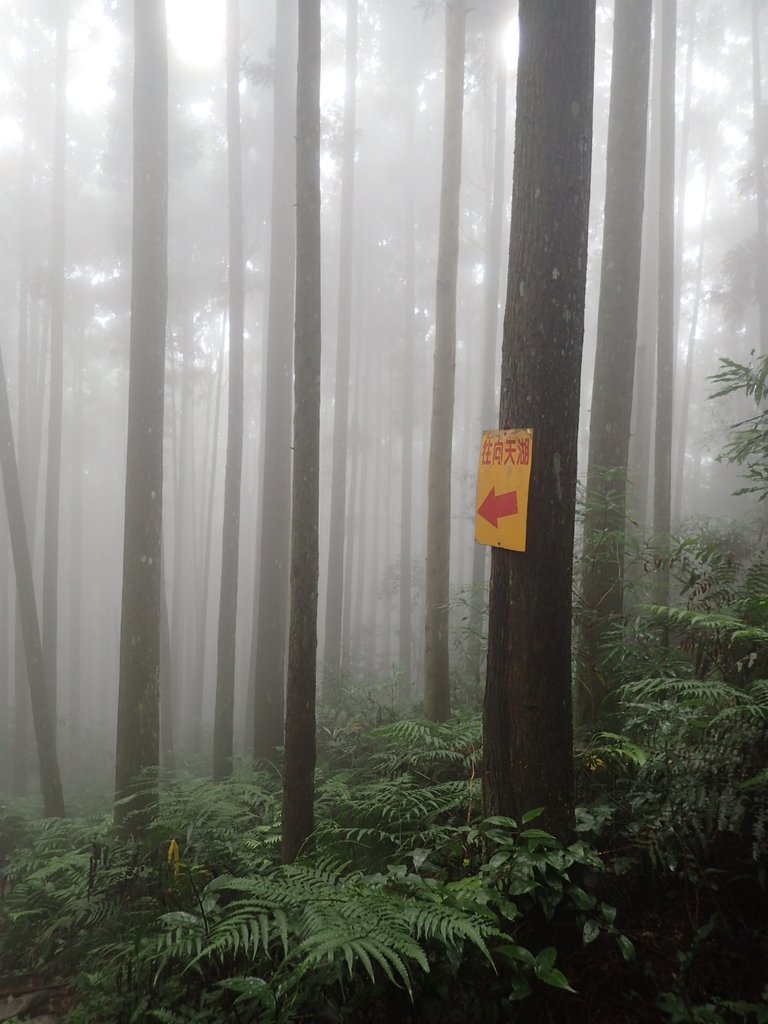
{"x": 409, "y": 905}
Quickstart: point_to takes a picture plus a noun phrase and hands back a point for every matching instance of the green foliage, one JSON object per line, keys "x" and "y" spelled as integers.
{"x": 413, "y": 783}
{"x": 408, "y": 896}
{"x": 748, "y": 444}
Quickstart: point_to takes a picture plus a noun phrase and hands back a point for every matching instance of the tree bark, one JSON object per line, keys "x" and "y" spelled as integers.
{"x": 299, "y": 767}
{"x": 225, "y": 685}
{"x": 406, "y": 469}
{"x": 137, "y": 748}
{"x": 437, "y": 698}
{"x": 665, "y": 338}
{"x": 759, "y": 121}
{"x": 527, "y": 714}
{"x": 641, "y": 440}
{"x": 212, "y": 439}
{"x": 272, "y": 598}
{"x": 56, "y": 280}
{"x": 685, "y": 401}
{"x": 494, "y": 212}
{"x": 610, "y": 421}
{"x": 332, "y": 667}
{"x": 45, "y": 733}
{"x": 74, "y": 710}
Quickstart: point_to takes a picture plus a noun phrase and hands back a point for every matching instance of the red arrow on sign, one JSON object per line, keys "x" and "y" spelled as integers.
{"x": 497, "y": 506}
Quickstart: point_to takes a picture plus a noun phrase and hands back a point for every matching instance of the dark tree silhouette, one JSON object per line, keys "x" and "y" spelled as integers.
{"x": 225, "y": 683}
{"x": 604, "y": 523}
{"x": 436, "y": 681}
{"x": 138, "y": 699}
{"x": 42, "y": 717}
{"x": 665, "y": 336}
{"x": 299, "y": 768}
{"x": 527, "y": 714}
{"x": 272, "y": 596}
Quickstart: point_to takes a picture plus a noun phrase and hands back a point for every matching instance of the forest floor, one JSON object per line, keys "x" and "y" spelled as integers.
{"x": 34, "y": 999}
{"x": 698, "y": 947}
{"x": 701, "y": 955}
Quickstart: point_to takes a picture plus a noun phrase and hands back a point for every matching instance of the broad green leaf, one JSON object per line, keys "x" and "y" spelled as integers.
{"x": 520, "y": 989}
{"x": 518, "y": 953}
{"x": 532, "y": 815}
{"x": 544, "y": 960}
{"x": 591, "y": 931}
{"x": 552, "y": 976}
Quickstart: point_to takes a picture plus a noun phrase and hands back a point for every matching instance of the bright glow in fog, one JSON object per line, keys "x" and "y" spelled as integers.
{"x": 510, "y": 43}
{"x": 197, "y": 30}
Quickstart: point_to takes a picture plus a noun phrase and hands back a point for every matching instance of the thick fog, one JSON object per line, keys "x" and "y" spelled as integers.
{"x": 384, "y": 303}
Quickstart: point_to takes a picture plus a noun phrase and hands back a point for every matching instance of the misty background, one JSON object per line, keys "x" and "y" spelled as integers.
{"x": 397, "y": 167}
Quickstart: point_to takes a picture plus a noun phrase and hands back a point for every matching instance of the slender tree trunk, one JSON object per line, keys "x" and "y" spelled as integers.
{"x": 609, "y": 433}
{"x": 45, "y": 733}
{"x": 182, "y": 395}
{"x": 352, "y": 535}
{"x": 21, "y": 692}
{"x": 332, "y": 681}
{"x": 272, "y": 598}
{"x": 386, "y": 538}
{"x": 681, "y": 413}
{"x": 494, "y": 212}
{"x": 685, "y": 402}
{"x": 528, "y": 739}
{"x": 406, "y": 472}
{"x": 436, "y": 668}
{"x": 168, "y": 720}
{"x": 138, "y": 709}
{"x": 363, "y": 432}
{"x": 665, "y": 342}
{"x": 74, "y": 714}
{"x": 56, "y": 288}
{"x": 198, "y": 686}
{"x": 225, "y": 688}
{"x": 372, "y": 579}
{"x": 641, "y": 441}
{"x": 6, "y": 647}
{"x": 761, "y": 188}
{"x": 299, "y": 767}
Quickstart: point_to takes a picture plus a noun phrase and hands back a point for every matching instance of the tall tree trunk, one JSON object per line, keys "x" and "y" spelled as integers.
{"x": 641, "y": 440}
{"x": 74, "y": 711}
{"x": 181, "y": 390}
{"x": 688, "y": 371}
{"x": 137, "y": 748}
{"x": 406, "y": 471}
{"x": 45, "y": 732}
{"x": 332, "y": 681}
{"x": 761, "y": 188}
{"x": 272, "y": 598}
{"x": 527, "y": 714}
{"x": 681, "y": 412}
{"x": 352, "y": 535}
{"x": 21, "y": 691}
{"x": 225, "y": 686}
{"x": 299, "y": 767}
{"x": 494, "y": 213}
{"x": 610, "y": 421}
{"x": 437, "y": 696}
{"x": 198, "y": 680}
{"x": 363, "y": 432}
{"x": 665, "y": 341}
{"x": 168, "y": 720}
{"x": 56, "y": 289}
{"x": 6, "y": 634}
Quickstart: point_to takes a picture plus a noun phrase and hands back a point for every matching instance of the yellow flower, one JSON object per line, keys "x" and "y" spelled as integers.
{"x": 174, "y": 855}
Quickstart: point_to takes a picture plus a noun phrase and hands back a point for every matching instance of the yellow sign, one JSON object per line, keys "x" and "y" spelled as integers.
{"x": 503, "y": 477}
